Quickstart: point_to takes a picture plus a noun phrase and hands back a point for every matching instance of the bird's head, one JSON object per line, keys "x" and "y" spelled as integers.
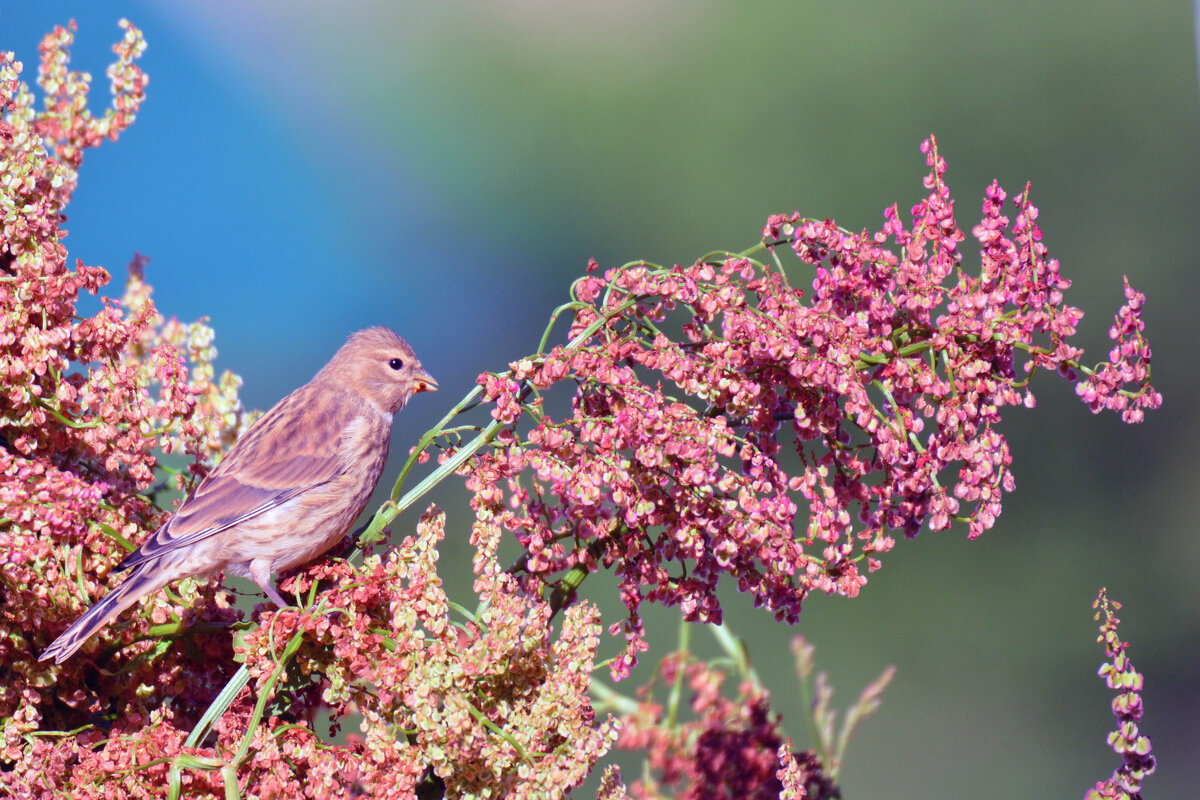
{"x": 379, "y": 366}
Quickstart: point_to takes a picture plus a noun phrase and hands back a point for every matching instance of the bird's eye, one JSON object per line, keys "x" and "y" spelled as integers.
{"x": 396, "y": 364}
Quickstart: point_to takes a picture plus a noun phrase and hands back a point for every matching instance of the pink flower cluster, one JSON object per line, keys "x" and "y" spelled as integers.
{"x": 448, "y": 702}
{"x": 1127, "y": 740}
{"x": 728, "y": 748}
{"x": 1129, "y": 364}
{"x": 67, "y": 126}
{"x": 492, "y": 703}
{"x": 86, "y": 404}
{"x": 713, "y": 401}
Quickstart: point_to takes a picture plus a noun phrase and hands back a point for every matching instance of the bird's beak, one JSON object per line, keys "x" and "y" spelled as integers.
{"x": 424, "y": 382}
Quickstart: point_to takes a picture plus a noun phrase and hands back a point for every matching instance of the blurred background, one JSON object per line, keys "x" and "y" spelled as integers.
{"x": 302, "y": 169}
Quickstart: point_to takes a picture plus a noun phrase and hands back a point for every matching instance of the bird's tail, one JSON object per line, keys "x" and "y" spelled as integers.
{"x": 141, "y": 582}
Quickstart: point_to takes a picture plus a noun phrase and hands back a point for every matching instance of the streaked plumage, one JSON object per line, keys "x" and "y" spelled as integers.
{"x": 287, "y": 491}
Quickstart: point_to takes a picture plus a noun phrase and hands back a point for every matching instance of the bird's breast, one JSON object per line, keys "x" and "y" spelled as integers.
{"x": 310, "y": 523}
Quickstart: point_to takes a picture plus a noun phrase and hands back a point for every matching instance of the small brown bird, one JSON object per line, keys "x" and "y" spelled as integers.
{"x": 287, "y": 491}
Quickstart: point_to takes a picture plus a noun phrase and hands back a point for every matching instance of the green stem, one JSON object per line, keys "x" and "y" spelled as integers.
{"x": 736, "y": 649}
{"x": 608, "y": 699}
{"x": 54, "y": 412}
{"x": 293, "y": 646}
{"x": 575, "y": 304}
{"x": 496, "y": 729}
{"x": 211, "y": 714}
{"x": 436, "y": 431}
{"x": 221, "y": 704}
{"x": 685, "y": 632}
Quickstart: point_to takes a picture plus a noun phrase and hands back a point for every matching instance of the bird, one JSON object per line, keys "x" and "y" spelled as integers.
{"x": 287, "y": 491}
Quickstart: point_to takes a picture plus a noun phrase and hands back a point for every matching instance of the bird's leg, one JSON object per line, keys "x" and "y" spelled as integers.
{"x": 260, "y": 572}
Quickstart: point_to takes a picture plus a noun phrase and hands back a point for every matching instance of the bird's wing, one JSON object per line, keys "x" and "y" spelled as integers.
{"x": 290, "y": 450}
